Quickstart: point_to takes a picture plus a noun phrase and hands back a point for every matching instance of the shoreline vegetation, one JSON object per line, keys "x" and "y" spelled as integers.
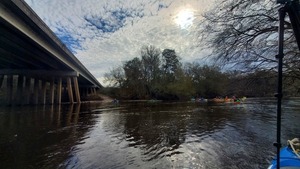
{"x": 101, "y": 98}
{"x": 160, "y": 75}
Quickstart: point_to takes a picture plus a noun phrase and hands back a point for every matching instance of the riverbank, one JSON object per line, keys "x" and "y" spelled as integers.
{"x": 96, "y": 98}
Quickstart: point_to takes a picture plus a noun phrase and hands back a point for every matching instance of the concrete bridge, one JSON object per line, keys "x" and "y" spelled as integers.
{"x": 35, "y": 66}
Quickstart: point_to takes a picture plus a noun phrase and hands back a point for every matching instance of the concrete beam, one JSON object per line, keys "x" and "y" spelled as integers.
{"x": 39, "y": 73}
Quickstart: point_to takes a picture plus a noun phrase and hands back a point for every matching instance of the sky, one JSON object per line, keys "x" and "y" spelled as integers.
{"x": 103, "y": 34}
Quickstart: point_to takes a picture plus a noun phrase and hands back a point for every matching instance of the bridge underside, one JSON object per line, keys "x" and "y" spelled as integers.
{"x": 35, "y": 66}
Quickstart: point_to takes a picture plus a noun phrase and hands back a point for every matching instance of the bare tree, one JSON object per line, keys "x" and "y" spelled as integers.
{"x": 151, "y": 67}
{"x": 243, "y": 34}
{"x": 115, "y": 77}
{"x": 151, "y": 62}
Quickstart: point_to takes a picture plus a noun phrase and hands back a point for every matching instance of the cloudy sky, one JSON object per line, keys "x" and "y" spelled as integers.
{"x": 103, "y": 34}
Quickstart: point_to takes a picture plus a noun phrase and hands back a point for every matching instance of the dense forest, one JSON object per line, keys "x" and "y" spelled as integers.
{"x": 161, "y": 75}
{"x": 243, "y": 38}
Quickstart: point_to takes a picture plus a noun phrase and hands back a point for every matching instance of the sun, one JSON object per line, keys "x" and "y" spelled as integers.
{"x": 185, "y": 18}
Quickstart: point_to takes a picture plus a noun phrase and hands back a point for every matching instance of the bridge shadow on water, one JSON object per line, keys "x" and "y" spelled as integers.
{"x": 41, "y": 136}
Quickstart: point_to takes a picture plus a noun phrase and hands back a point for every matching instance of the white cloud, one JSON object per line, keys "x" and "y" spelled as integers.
{"x": 103, "y": 33}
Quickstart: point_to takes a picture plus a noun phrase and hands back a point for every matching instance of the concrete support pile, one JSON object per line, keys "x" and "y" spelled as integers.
{"x": 30, "y": 89}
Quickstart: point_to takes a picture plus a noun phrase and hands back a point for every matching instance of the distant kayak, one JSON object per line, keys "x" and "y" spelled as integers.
{"x": 200, "y": 100}
{"x": 237, "y": 102}
{"x": 227, "y": 100}
{"x": 216, "y": 100}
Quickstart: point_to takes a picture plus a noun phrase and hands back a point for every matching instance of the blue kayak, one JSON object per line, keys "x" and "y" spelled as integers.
{"x": 288, "y": 159}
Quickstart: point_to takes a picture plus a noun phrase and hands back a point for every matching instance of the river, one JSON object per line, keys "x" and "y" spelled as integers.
{"x": 145, "y": 135}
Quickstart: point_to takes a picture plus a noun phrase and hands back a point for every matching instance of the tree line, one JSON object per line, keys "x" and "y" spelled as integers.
{"x": 162, "y": 75}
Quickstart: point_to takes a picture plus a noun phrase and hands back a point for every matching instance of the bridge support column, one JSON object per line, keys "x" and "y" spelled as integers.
{"x": 9, "y": 92}
{"x": 86, "y": 91}
{"x": 20, "y": 87}
{"x": 1, "y": 80}
{"x": 27, "y": 90}
{"x": 44, "y": 90}
{"x": 70, "y": 93}
{"x": 51, "y": 97}
{"x": 93, "y": 90}
{"x": 58, "y": 90}
{"x": 36, "y": 91}
{"x": 76, "y": 87}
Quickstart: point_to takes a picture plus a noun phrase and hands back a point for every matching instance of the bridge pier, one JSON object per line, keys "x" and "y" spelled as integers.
{"x": 51, "y": 97}
{"x": 21, "y": 88}
{"x": 9, "y": 92}
{"x": 93, "y": 90}
{"x": 70, "y": 93}
{"x": 1, "y": 80}
{"x": 76, "y": 88}
{"x": 36, "y": 91}
{"x": 27, "y": 90}
{"x": 58, "y": 90}
{"x": 85, "y": 91}
{"x": 44, "y": 90}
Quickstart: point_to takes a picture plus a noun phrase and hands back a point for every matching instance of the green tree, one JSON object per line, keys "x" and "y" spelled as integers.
{"x": 194, "y": 72}
{"x": 260, "y": 83}
{"x": 182, "y": 87}
{"x": 134, "y": 85}
{"x": 171, "y": 64}
{"x": 209, "y": 81}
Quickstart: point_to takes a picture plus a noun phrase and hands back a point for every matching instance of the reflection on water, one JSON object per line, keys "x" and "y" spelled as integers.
{"x": 144, "y": 135}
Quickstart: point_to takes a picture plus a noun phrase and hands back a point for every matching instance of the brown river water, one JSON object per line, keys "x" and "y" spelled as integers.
{"x": 145, "y": 135}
